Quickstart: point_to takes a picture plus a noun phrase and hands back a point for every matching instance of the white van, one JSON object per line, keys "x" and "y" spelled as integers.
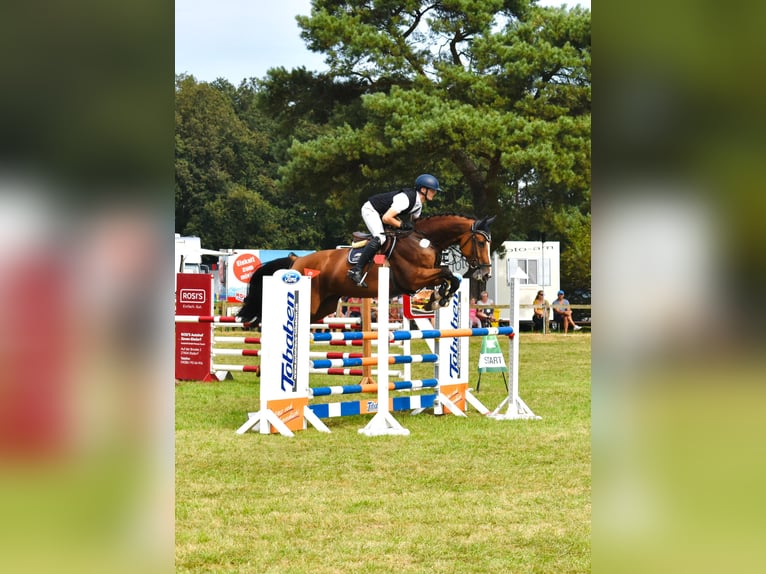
{"x": 539, "y": 260}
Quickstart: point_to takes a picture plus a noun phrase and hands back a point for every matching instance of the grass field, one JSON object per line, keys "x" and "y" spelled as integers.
{"x": 456, "y": 496}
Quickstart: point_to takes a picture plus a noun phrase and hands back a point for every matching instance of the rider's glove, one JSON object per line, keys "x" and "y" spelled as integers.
{"x": 405, "y": 226}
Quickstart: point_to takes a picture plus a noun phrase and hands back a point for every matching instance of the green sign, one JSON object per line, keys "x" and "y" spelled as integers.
{"x": 491, "y": 358}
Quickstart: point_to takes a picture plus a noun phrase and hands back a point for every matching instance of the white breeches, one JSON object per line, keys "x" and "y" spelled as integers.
{"x": 373, "y": 221}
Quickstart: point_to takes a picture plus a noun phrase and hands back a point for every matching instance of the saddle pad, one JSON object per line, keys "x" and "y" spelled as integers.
{"x": 355, "y": 252}
{"x": 353, "y": 255}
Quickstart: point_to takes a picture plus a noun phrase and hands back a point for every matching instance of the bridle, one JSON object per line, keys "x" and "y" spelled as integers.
{"x": 473, "y": 258}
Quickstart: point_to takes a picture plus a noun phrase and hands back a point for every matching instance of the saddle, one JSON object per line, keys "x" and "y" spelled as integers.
{"x": 361, "y": 239}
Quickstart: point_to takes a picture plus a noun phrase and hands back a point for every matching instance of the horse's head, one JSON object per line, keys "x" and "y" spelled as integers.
{"x": 471, "y": 235}
{"x": 475, "y": 248}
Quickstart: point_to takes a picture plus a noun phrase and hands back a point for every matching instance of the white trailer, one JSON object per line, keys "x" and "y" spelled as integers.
{"x": 188, "y": 255}
{"x": 539, "y": 260}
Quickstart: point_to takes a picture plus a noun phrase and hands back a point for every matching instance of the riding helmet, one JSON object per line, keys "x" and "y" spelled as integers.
{"x": 427, "y": 180}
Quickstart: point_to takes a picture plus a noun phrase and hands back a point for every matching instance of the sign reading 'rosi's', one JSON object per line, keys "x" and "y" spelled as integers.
{"x": 193, "y": 296}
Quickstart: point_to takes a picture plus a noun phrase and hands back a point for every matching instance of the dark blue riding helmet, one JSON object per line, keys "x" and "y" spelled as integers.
{"x": 427, "y": 180}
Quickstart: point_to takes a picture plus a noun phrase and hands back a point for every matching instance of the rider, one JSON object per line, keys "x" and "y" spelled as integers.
{"x": 384, "y": 208}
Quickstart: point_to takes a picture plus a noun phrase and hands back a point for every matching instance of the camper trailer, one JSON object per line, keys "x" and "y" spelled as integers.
{"x": 189, "y": 255}
{"x": 538, "y": 260}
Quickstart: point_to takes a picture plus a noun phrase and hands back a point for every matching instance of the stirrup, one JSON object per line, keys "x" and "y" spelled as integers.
{"x": 357, "y": 277}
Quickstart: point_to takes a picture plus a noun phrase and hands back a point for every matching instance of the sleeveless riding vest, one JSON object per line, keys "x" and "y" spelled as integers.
{"x": 382, "y": 201}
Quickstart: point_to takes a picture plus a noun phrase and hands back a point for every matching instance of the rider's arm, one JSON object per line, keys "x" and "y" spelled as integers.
{"x": 390, "y": 217}
{"x": 399, "y": 203}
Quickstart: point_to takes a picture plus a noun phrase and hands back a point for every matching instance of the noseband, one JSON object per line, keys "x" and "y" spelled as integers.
{"x": 473, "y": 259}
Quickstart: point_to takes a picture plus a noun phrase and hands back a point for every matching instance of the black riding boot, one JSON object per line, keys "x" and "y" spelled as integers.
{"x": 369, "y": 251}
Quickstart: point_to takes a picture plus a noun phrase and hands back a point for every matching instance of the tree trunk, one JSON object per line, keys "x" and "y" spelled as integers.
{"x": 474, "y": 178}
{"x": 484, "y": 188}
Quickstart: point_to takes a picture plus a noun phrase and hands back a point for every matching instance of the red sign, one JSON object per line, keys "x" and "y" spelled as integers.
{"x": 194, "y": 296}
{"x": 244, "y": 266}
{"x": 414, "y": 307}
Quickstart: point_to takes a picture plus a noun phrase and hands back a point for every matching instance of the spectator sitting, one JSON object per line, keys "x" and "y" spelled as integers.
{"x": 539, "y": 311}
{"x": 474, "y": 320}
{"x": 395, "y": 309}
{"x": 350, "y": 307}
{"x": 485, "y": 314}
{"x": 562, "y": 313}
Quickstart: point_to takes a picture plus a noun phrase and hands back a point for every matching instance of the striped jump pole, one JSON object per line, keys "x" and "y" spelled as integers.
{"x": 340, "y": 372}
{"x": 345, "y": 323}
{"x": 222, "y": 371}
{"x": 237, "y": 352}
{"x": 369, "y": 361}
{"x": 214, "y": 372}
{"x": 238, "y": 368}
{"x": 412, "y": 335}
{"x": 240, "y": 340}
{"x": 364, "y": 407}
{"x": 218, "y": 319}
{"x": 348, "y": 372}
{"x": 334, "y": 355}
{"x": 358, "y": 343}
{"x": 372, "y": 388}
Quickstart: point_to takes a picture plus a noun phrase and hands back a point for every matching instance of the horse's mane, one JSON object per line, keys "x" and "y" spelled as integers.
{"x": 477, "y": 225}
{"x": 251, "y": 306}
{"x": 427, "y": 217}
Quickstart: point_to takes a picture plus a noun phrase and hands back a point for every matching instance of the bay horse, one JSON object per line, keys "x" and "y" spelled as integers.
{"x": 414, "y": 259}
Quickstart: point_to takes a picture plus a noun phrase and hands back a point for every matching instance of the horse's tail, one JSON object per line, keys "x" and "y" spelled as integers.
{"x": 251, "y": 310}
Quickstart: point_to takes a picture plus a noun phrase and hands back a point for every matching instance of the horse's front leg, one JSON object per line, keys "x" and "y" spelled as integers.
{"x": 443, "y": 293}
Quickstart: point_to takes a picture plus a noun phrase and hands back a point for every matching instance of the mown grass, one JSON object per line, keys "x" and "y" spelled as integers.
{"x": 456, "y": 496}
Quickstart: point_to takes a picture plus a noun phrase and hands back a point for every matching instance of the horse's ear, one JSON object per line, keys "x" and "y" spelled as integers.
{"x": 484, "y": 222}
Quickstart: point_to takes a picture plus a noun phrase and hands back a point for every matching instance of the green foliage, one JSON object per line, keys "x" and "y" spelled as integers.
{"x": 574, "y": 230}
{"x": 491, "y": 96}
{"x": 494, "y": 97}
{"x": 226, "y": 187}
{"x": 243, "y": 213}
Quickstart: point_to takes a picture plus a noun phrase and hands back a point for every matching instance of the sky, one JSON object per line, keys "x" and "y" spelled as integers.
{"x": 239, "y": 39}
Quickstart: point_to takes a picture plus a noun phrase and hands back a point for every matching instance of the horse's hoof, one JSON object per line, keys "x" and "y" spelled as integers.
{"x": 444, "y": 302}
